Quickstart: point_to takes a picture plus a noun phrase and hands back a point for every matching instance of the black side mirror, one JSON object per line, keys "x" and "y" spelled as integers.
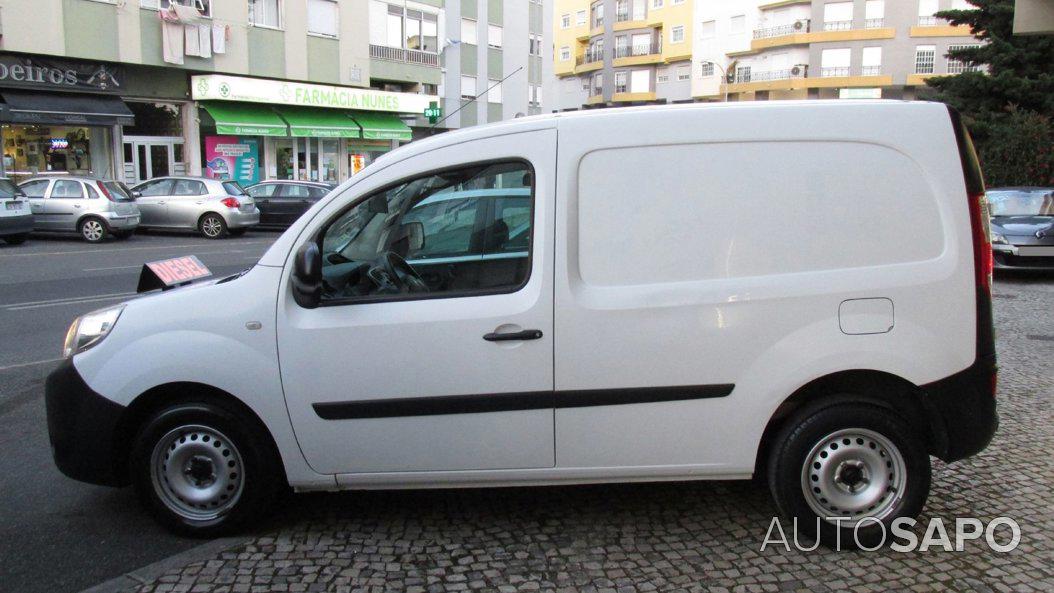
{"x": 307, "y": 276}
{"x": 136, "y": 194}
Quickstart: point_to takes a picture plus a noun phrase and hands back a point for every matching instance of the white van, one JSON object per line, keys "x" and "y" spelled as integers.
{"x": 799, "y": 291}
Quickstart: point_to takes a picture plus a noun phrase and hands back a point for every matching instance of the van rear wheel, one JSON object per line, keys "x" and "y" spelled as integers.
{"x": 202, "y": 470}
{"x": 851, "y": 469}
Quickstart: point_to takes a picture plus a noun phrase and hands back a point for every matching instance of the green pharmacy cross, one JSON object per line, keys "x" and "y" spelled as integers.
{"x": 433, "y": 112}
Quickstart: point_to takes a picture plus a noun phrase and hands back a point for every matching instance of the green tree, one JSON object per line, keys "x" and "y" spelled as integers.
{"x": 1004, "y": 103}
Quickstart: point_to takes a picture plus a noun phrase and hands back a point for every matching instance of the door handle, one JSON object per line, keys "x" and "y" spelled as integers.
{"x": 527, "y": 334}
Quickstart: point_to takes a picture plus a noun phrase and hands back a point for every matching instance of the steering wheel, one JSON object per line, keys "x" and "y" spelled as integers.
{"x": 393, "y": 272}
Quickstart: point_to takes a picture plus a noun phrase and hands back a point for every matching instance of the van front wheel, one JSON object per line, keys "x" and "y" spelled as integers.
{"x": 202, "y": 470}
{"x": 850, "y": 470}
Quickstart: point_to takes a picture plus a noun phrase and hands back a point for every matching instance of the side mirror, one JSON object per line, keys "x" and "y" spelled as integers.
{"x": 307, "y": 276}
{"x": 136, "y": 194}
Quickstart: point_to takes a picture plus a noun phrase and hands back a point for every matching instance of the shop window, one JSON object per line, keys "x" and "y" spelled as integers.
{"x": 154, "y": 119}
{"x": 323, "y": 17}
{"x": 29, "y": 150}
{"x": 265, "y": 13}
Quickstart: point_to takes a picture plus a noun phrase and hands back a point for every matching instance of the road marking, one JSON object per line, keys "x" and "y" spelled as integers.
{"x": 123, "y": 249}
{"x": 112, "y": 268}
{"x": 29, "y": 364}
{"x": 66, "y": 301}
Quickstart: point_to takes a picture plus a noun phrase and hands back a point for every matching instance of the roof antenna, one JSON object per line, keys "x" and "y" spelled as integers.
{"x": 473, "y": 99}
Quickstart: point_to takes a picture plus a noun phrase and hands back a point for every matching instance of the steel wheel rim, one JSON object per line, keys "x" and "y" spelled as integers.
{"x": 854, "y": 473}
{"x": 197, "y": 472}
{"x": 211, "y": 226}
{"x": 92, "y": 230}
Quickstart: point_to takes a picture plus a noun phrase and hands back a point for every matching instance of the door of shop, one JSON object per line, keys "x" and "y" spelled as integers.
{"x": 147, "y": 157}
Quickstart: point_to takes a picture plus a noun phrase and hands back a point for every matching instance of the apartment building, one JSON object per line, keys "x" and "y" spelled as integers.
{"x": 801, "y": 49}
{"x": 622, "y": 52}
{"x": 247, "y": 89}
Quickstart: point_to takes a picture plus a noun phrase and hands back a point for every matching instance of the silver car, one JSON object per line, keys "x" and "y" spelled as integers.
{"x": 93, "y": 207}
{"x": 212, "y": 207}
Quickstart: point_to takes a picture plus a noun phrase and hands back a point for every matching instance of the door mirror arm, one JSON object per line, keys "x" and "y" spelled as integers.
{"x": 307, "y": 276}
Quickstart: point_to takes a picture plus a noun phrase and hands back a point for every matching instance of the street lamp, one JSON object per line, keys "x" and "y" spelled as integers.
{"x": 724, "y": 76}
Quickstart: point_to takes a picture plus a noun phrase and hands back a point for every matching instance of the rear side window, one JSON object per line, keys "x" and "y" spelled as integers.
{"x": 36, "y": 188}
{"x": 292, "y": 190}
{"x": 233, "y": 189}
{"x": 68, "y": 189}
{"x": 93, "y": 193}
{"x": 118, "y": 191}
{"x": 188, "y": 187}
{"x": 316, "y": 192}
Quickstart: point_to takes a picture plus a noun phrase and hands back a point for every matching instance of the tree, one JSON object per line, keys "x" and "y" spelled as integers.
{"x": 1015, "y": 92}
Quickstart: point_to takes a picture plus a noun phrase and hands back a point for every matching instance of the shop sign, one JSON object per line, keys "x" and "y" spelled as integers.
{"x": 231, "y": 157}
{"x": 217, "y": 87}
{"x": 54, "y": 74}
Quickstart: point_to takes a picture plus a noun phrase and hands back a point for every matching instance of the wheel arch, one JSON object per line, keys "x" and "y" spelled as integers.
{"x": 863, "y": 386}
{"x": 96, "y": 216}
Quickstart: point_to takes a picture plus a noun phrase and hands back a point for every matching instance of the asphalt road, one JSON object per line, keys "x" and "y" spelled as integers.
{"x": 57, "y": 534}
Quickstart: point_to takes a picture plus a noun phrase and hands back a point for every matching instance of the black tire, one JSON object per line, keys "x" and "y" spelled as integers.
{"x": 93, "y": 230}
{"x": 16, "y": 239}
{"x": 806, "y": 437}
{"x": 256, "y": 478}
{"x": 211, "y": 221}
{"x": 236, "y": 232}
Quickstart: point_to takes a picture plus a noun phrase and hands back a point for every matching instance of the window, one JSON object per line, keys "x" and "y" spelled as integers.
{"x": 926, "y": 10}
{"x": 413, "y": 29}
{"x": 468, "y": 87}
{"x": 188, "y": 187}
{"x": 662, "y": 75}
{"x": 677, "y": 34}
{"x": 621, "y": 10}
{"x": 67, "y": 188}
{"x": 958, "y": 66}
{"x": 494, "y": 35}
{"x": 565, "y": 53}
{"x": 924, "y": 58}
{"x": 203, "y": 6}
{"x": 233, "y": 188}
{"x": 450, "y": 234}
{"x": 676, "y": 2}
{"x": 468, "y": 31}
{"x": 684, "y": 72}
{"x": 872, "y": 61}
{"x": 622, "y": 46}
{"x": 580, "y": 18}
{"x": 565, "y": 21}
{"x": 265, "y": 13}
{"x": 535, "y": 44}
{"x": 159, "y": 187}
{"x": 598, "y": 84}
{"x": 835, "y": 62}
{"x": 640, "y": 81}
{"x": 874, "y": 14}
{"x": 743, "y": 74}
{"x": 322, "y": 17}
{"x": 265, "y": 190}
{"x": 93, "y": 194}
{"x": 707, "y": 69}
{"x": 35, "y": 188}
{"x": 494, "y": 94}
{"x": 639, "y": 9}
{"x": 737, "y": 24}
{"x": 621, "y": 82}
{"x": 597, "y": 11}
{"x": 656, "y": 3}
{"x": 708, "y": 30}
{"x": 838, "y": 16}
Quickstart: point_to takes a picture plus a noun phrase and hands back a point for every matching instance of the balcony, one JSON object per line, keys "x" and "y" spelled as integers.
{"x": 801, "y": 26}
{"x": 799, "y": 71}
{"x": 589, "y": 57}
{"x": 874, "y": 23}
{"x": 871, "y": 71}
{"x": 928, "y": 21}
{"x": 639, "y": 49}
{"x": 406, "y": 56}
{"x": 831, "y": 72}
{"x": 837, "y": 25}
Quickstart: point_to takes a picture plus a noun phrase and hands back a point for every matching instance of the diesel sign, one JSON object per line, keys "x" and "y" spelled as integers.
{"x": 47, "y": 73}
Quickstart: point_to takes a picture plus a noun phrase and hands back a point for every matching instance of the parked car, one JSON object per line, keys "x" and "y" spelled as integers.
{"x": 212, "y": 207}
{"x": 16, "y": 219}
{"x": 95, "y": 208}
{"x": 1022, "y": 227}
{"x": 580, "y": 297}
{"x": 282, "y": 202}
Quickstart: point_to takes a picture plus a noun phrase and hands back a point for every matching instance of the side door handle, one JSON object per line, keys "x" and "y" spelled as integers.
{"x": 527, "y": 334}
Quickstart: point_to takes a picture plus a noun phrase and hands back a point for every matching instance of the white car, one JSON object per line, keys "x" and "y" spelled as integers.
{"x": 798, "y": 290}
{"x": 16, "y": 219}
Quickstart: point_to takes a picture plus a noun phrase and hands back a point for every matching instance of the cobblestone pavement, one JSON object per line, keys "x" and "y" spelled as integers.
{"x": 700, "y": 536}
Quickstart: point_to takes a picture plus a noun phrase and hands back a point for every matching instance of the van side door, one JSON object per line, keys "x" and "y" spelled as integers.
{"x": 455, "y": 374}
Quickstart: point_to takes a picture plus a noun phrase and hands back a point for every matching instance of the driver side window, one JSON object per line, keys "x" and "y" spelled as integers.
{"x": 435, "y": 234}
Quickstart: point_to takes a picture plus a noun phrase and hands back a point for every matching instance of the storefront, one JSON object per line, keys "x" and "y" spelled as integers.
{"x": 254, "y": 129}
{"x": 59, "y": 116}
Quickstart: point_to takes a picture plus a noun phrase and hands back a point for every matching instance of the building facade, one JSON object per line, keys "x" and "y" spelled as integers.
{"x": 247, "y": 89}
{"x": 616, "y": 52}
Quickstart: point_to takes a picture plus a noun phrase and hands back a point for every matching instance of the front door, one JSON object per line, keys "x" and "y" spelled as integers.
{"x": 37, "y": 190}
{"x": 64, "y": 205}
{"x": 153, "y": 157}
{"x": 445, "y": 363}
{"x": 186, "y": 203}
{"x": 153, "y": 202}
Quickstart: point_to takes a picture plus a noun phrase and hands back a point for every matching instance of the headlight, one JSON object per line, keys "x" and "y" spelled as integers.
{"x": 90, "y": 329}
{"x": 999, "y": 239}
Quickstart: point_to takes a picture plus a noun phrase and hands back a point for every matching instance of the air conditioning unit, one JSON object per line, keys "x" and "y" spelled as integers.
{"x": 799, "y": 70}
{"x": 801, "y": 25}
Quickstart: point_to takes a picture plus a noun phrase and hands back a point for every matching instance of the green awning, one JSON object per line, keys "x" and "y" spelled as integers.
{"x": 241, "y": 119}
{"x": 381, "y": 126}
{"x": 319, "y": 123}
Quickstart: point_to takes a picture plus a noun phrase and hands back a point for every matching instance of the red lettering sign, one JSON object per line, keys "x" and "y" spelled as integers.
{"x": 179, "y": 269}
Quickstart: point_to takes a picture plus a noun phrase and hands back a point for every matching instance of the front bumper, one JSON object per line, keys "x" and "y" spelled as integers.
{"x": 238, "y": 219}
{"x": 1008, "y": 257}
{"x": 82, "y": 428}
{"x": 16, "y": 225}
{"x": 962, "y": 411}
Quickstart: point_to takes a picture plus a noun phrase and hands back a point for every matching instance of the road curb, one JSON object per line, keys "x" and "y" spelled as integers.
{"x": 150, "y": 572}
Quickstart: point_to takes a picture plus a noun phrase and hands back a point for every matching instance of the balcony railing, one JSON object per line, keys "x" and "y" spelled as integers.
{"x": 874, "y": 23}
{"x": 927, "y": 21}
{"x": 408, "y": 56}
{"x": 590, "y": 56}
{"x": 800, "y": 71}
{"x": 837, "y": 25}
{"x": 870, "y": 70}
{"x": 801, "y": 26}
{"x": 834, "y": 71}
{"x": 621, "y": 17}
{"x": 639, "y": 49}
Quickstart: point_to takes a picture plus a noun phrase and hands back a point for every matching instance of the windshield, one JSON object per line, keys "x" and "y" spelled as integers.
{"x": 233, "y": 189}
{"x": 1021, "y": 202}
{"x": 118, "y": 191}
{"x": 9, "y": 190}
